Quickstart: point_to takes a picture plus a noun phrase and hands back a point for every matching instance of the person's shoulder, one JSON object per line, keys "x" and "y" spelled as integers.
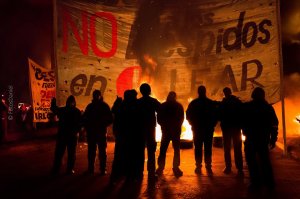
{"x": 77, "y": 110}
{"x": 156, "y": 100}
{"x": 194, "y": 101}
{"x": 177, "y": 103}
{"x": 236, "y": 99}
{"x": 90, "y": 105}
{"x": 152, "y": 98}
{"x": 210, "y": 100}
{"x": 105, "y": 105}
{"x": 164, "y": 103}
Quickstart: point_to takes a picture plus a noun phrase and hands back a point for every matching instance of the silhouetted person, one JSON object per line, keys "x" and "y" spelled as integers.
{"x": 148, "y": 107}
{"x": 68, "y": 127}
{"x": 134, "y": 139}
{"x": 97, "y": 117}
{"x": 201, "y": 114}
{"x": 230, "y": 118}
{"x": 170, "y": 116}
{"x": 260, "y": 126}
{"x": 119, "y": 159}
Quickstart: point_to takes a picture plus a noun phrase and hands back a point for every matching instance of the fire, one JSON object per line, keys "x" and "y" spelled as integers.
{"x": 291, "y": 116}
{"x": 148, "y": 59}
{"x": 243, "y": 137}
{"x": 186, "y": 131}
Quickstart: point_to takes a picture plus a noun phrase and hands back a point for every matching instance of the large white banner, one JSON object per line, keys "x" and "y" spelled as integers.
{"x": 43, "y": 89}
{"x": 173, "y": 46}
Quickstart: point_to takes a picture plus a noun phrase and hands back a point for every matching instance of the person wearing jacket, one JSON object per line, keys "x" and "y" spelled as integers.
{"x": 170, "y": 117}
{"x": 69, "y": 125}
{"x": 97, "y": 117}
{"x": 229, "y": 112}
{"x": 148, "y": 107}
{"x": 201, "y": 114}
{"x": 260, "y": 127}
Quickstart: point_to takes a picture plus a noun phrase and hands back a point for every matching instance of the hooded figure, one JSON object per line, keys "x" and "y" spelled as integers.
{"x": 69, "y": 125}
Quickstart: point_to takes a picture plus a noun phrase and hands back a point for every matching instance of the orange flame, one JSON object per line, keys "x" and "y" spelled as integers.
{"x": 186, "y": 131}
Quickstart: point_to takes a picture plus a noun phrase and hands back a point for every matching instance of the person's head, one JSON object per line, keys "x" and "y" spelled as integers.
{"x": 145, "y": 89}
{"x": 133, "y": 93}
{"x": 258, "y": 94}
{"x": 227, "y": 91}
{"x": 130, "y": 95}
{"x": 96, "y": 94}
{"x": 202, "y": 91}
{"x": 171, "y": 96}
{"x": 71, "y": 102}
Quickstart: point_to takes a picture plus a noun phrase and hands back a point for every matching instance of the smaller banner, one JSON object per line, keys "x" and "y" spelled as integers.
{"x": 43, "y": 89}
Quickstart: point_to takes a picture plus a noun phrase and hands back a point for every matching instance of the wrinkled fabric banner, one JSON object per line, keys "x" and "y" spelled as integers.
{"x": 173, "y": 46}
{"x": 43, "y": 89}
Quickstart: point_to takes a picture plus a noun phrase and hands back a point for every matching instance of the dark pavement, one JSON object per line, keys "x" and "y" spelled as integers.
{"x": 25, "y": 173}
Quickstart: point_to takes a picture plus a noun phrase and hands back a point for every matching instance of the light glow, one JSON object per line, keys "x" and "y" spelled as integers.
{"x": 186, "y": 131}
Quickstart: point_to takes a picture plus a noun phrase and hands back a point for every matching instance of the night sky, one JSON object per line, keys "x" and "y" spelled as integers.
{"x": 26, "y": 31}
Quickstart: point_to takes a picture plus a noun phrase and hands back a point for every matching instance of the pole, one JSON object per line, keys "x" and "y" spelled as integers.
{"x": 54, "y": 60}
{"x": 281, "y": 80}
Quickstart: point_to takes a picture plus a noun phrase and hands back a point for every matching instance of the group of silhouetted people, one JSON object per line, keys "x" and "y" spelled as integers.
{"x": 134, "y": 121}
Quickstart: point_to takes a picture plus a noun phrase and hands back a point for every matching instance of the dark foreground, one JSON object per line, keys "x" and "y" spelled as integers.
{"x": 25, "y": 173}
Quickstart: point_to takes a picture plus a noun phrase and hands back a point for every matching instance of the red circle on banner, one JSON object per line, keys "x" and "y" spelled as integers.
{"x": 126, "y": 79}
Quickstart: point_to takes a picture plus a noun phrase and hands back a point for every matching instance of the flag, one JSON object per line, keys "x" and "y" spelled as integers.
{"x": 43, "y": 89}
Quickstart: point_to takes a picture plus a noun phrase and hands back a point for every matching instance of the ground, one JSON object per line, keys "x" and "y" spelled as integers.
{"x": 293, "y": 147}
{"x": 25, "y": 172}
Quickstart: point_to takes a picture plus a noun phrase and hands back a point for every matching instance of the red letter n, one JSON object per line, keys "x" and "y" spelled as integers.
{"x": 83, "y": 42}
{"x": 112, "y": 20}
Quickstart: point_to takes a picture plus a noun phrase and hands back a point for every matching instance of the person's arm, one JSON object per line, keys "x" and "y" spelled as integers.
{"x": 274, "y": 128}
{"x": 189, "y": 113}
{"x": 157, "y": 105}
{"x": 109, "y": 116}
{"x": 117, "y": 104}
{"x": 181, "y": 113}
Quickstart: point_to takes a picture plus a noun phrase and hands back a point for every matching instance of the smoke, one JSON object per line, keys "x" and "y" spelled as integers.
{"x": 290, "y": 20}
{"x": 159, "y": 26}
